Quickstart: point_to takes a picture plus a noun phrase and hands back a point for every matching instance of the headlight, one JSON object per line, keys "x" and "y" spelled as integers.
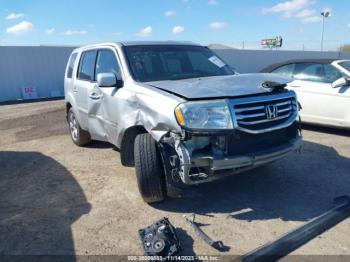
{"x": 204, "y": 115}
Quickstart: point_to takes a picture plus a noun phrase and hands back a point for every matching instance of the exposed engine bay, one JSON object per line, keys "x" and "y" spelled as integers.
{"x": 258, "y": 138}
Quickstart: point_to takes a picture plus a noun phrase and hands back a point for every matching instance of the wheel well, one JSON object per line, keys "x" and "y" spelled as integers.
{"x": 68, "y": 106}
{"x": 127, "y": 145}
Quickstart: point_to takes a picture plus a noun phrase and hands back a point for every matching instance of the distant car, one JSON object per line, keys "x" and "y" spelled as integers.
{"x": 323, "y": 89}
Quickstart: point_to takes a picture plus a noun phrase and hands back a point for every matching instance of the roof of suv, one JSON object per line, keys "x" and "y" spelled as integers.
{"x": 136, "y": 43}
{"x": 131, "y": 43}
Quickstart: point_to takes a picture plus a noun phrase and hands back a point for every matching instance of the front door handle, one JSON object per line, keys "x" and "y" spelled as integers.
{"x": 95, "y": 96}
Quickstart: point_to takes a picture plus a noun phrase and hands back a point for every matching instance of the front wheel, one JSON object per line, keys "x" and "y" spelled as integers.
{"x": 79, "y": 136}
{"x": 149, "y": 169}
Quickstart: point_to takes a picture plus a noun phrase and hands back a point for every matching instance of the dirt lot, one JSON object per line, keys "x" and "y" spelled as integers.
{"x": 57, "y": 198}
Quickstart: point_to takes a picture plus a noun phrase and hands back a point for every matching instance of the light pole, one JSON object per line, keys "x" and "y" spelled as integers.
{"x": 324, "y": 14}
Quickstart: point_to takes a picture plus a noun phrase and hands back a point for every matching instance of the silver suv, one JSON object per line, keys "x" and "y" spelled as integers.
{"x": 177, "y": 112}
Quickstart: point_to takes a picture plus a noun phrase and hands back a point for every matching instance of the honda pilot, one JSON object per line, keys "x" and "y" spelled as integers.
{"x": 177, "y": 112}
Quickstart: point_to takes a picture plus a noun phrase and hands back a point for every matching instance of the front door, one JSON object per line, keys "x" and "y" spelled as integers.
{"x": 102, "y": 101}
{"x": 96, "y": 113}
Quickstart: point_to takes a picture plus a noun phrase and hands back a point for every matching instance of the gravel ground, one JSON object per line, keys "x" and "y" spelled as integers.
{"x": 57, "y": 198}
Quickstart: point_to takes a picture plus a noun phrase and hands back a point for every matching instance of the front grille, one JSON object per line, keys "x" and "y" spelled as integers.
{"x": 264, "y": 113}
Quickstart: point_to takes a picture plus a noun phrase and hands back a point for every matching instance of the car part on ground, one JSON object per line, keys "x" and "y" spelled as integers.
{"x": 160, "y": 239}
{"x": 218, "y": 245}
{"x": 300, "y": 236}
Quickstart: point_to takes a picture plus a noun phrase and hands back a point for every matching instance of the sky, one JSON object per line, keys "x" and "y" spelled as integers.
{"x": 241, "y": 24}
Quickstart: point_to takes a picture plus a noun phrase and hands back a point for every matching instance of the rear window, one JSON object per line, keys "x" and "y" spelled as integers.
{"x": 71, "y": 63}
{"x": 87, "y": 66}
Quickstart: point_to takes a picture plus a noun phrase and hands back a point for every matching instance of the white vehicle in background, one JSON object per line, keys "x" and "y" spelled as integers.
{"x": 323, "y": 89}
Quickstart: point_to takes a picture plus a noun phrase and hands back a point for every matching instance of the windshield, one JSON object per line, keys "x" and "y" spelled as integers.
{"x": 172, "y": 62}
{"x": 346, "y": 65}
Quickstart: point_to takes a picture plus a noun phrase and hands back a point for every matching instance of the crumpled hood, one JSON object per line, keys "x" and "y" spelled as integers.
{"x": 219, "y": 86}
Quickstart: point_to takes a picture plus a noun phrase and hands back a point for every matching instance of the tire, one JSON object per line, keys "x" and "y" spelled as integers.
{"x": 149, "y": 169}
{"x": 79, "y": 136}
{"x": 126, "y": 152}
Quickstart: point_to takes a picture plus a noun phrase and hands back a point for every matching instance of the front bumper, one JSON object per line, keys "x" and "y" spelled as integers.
{"x": 221, "y": 166}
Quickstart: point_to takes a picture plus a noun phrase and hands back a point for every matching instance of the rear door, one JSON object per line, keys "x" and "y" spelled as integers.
{"x": 84, "y": 84}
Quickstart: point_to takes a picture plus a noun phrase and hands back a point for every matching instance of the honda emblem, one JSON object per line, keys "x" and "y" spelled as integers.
{"x": 271, "y": 111}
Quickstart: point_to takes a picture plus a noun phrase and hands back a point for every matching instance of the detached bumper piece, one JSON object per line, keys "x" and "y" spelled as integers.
{"x": 160, "y": 239}
{"x": 218, "y": 245}
{"x": 300, "y": 236}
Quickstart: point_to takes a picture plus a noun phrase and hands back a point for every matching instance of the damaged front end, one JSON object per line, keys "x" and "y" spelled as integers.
{"x": 256, "y": 138}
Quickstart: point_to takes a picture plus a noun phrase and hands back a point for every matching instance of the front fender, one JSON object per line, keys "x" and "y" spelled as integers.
{"x": 147, "y": 108}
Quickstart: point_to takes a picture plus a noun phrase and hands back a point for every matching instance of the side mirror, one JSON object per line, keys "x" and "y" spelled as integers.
{"x": 344, "y": 81}
{"x": 109, "y": 80}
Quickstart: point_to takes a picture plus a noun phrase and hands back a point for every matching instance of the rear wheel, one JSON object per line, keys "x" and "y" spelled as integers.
{"x": 149, "y": 169}
{"x": 79, "y": 136}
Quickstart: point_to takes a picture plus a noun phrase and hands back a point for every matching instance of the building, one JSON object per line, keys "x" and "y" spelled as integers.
{"x": 39, "y": 70}
{"x": 35, "y": 72}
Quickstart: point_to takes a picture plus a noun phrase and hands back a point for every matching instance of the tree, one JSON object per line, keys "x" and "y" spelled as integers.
{"x": 345, "y": 48}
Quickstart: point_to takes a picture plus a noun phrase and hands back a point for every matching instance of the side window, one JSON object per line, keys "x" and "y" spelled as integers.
{"x": 285, "y": 70}
{"x": 331, "y": 74}
{"x": 316, "y": 73}
{"x": 107, "y": 63}
{"x": 71, "y": 63}
{"x": 309, "y": 72}
{"x": 87, "y": 66}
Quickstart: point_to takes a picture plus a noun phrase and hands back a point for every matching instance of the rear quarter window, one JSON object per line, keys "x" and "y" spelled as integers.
{"x": 71, "y": 64}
